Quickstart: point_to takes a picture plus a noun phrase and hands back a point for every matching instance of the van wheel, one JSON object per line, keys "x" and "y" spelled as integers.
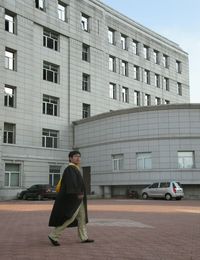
{"x": 145, "y": 196}
{"x": 168, "y": 196}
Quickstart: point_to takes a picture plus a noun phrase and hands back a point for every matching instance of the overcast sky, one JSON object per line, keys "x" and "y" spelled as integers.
{"x": 178, "y": 20}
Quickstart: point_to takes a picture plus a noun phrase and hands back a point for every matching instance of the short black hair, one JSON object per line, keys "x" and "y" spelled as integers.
{"x": 72, "y": 153}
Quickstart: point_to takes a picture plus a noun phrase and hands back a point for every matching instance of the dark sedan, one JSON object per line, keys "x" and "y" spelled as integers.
{"x": 38, "y": 191}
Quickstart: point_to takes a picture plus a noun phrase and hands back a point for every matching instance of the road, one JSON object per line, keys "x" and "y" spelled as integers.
{"x": 122, "y": 229}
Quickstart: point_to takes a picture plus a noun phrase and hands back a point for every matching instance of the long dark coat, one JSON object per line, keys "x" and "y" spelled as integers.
{"x": 67, "y": 201}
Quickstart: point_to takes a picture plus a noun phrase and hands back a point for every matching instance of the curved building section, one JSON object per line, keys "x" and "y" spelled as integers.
{"x": 132, "y": 148}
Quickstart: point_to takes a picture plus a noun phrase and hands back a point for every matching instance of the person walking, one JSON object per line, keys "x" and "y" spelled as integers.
{"x": 70, "y": 206}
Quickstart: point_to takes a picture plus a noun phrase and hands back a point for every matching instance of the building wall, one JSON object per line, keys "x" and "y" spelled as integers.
{"x": 27, "y": 41}
{"x": 162, "y": 131}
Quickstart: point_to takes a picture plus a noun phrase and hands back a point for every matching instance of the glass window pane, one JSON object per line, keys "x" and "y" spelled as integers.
{"x": 6, "y": 179}
{"x": 14, "y": 179}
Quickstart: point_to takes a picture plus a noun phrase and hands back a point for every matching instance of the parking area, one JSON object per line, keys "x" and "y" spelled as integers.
{"x": 122, "y": 229}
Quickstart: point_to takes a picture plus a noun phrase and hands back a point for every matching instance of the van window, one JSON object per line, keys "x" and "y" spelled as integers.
{"x": 154, "y": 185}
{"x": 179, "y": 184}
{"x": 164, "y": 184}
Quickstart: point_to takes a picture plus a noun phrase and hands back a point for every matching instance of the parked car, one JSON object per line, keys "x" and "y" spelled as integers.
{"x": 167, "y": 190}
{"x": 38, "y": 191}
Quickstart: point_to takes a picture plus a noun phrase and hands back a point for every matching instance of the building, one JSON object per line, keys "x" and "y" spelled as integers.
{"x": 132, "y": 148}
{"x": 62, "y": 61}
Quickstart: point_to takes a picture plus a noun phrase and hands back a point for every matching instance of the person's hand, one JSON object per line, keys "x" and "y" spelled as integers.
{"x": 80, "y": 196}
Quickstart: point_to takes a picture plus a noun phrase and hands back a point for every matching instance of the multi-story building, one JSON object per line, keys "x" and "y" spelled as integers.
{"x": 66, "y": 60}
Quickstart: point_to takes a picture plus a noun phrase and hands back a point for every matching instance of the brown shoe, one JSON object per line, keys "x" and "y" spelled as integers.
{"x": 54, "y": 242}
{"x": 87, "y": 241}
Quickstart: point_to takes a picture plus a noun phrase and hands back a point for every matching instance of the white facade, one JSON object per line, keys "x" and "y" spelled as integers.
{"x": 135, "y": 147}
{"x": 56, "y": 67}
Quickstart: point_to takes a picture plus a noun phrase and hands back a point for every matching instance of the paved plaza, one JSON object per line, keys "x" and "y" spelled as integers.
{"x": 122, "y": 229}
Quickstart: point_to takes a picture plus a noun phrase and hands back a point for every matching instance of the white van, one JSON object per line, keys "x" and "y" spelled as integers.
{"x": 167, "y": 190}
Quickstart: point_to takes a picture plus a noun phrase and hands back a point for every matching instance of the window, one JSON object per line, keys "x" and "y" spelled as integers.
{"x": 157, "y": 80}
{"x": 157, "y": 101}
{"x": 112, "y": 90}
{"x": 50, "y": 105}
{"x": 50, "y": 72}
{"x": 136, "y": 72}
{"x": 85, "y": 22}
{"x": 85, "y": 52}
{"x": 144, "y": 161}
{"x": 86, "y": 110}
{"x": 164, "y": 184}
{"x": 167, "y": 102}
{"x": 61, "y": 11}
{"x": 12, "y": 175}
{"x": 136, "y": 98}
{"x": 9, "y": 96}
{"x": 147, "y": 76}
{"x": 9, "y": 133}
{"x": 117, "y": 162}
{"x": 186, "y": 159}
{"x": 125, "y": 95}
{"x": 40, "y": 4}
{"x": 124, "y": 68}
{"x": 86, "y": 82}
{"x": 10, "y": 22}
{"x": 179, "y": 88}
{"x": 165, "y": 61}
{"x": 124, "y": 42}
{"x": 49, "y": 138}
{"x": 54, "y": 175}
{"x": 10, "y": 59}
{"x": 147, "y": 100}
{"x": 156, "y": 56}
{"x": 111, "y": 36}
{"x": 178, "y": 66}
{"x": 135, "y": 47}
{"x": 146, "y": 52}
{"x": 112, "y": 63}
{"x": 166, "y": 83}
{"x": 154, "y": 185}
{"x": 50, "y": 39}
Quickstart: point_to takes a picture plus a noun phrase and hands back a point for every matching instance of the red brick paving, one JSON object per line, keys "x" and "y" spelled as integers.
{"x": 122, "y": 229}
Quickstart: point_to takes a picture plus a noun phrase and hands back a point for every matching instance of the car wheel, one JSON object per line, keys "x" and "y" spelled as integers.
{"x": 39, "y": 197}
{"x": 145, "y": 196}
{"x": 168, "y": 196}
{"x": 24, "y": 197}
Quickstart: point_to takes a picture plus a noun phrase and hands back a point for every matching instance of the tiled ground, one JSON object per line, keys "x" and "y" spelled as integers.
{"x": 122, "y": 229}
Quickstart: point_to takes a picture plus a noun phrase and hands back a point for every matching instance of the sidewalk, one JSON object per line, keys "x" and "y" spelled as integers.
{"x": 122, "y": 229}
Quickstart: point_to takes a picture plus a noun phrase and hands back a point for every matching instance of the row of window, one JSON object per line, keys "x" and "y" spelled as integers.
{"x": 144, "y": 162}
{"x": 143, "y": 75}
{"x": 50, "y": 105}
{"x": 62, "y": 11}
{"x": 144, "y": 51}
{"x": 13, "y": 175}
{"x": 185, "y": 160}
{"x": 138, "y": 99}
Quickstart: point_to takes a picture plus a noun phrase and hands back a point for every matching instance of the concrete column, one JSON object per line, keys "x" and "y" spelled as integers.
{"x": 107, "y": 192}
{"x": 118, "y": 39}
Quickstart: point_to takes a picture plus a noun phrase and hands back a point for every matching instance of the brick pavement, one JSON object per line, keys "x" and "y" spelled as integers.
{"x": 122, "y": 229}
